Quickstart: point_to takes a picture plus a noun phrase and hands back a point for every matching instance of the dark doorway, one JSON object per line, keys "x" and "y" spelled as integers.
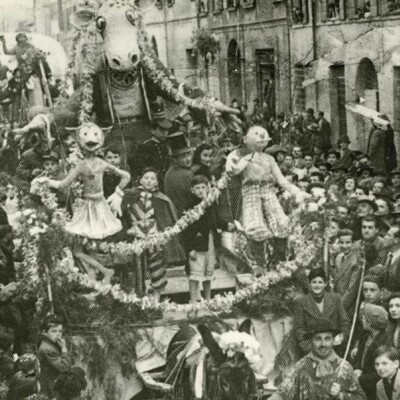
{"x": 266, "y": 79}
{"x": 234, "y": 72}
{"x": 338, "y": 99}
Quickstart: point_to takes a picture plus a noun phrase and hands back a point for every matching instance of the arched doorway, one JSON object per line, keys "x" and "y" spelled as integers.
{"x": 234, "y": 72}
{"x": 154, "y": 45}
{"x": 367, "y": 89}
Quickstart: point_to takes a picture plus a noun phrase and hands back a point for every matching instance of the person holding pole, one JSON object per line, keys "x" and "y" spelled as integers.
{"x": 321, "y": 374}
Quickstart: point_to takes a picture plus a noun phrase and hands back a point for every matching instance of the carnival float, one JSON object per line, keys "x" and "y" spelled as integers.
{"x": 122, "y": 339}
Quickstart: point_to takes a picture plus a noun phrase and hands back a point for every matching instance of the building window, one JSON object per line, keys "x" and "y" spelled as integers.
{"x": 393, "y": 6}
{"x": 232, "y": 4}
{"x": 154, "y": 46}
{"x": 299, "y": 91}
{"x": 299, "y": 12}
{"x": 333, "y": 9}
{"x": 248, "y": 3}
{"x": 234, "y": 72}
{"x": 217, "y": 5}
{"x": 202, "y": 7}
{"x": 367, "y": 89}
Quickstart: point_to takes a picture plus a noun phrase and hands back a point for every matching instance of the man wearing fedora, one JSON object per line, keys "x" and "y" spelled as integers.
{"x": 154, "y": 152}
{"x": 179, "y": 176}
{"x": 321, "y": 374}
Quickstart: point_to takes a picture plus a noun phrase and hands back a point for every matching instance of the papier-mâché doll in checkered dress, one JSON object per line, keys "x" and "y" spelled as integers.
{"x": 262, "y": 215}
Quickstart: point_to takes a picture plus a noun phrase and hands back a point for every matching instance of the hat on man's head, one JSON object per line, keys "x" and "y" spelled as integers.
{"x": 178, "y": 143}
{"x": 333, "y": 151}
{"x": 376, "y": 316}
{"x": 343, "y": 139}
{"x": 51, "y": 155}
{"x": 365, "y": 168}
{"x": 368, "y": 200}
{"x": 317, "y": 273}
{"x": 321, "y": 326}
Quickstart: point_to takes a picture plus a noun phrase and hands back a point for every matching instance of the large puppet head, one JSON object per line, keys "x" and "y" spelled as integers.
{"x": 117, "y": 22}
{"x": 90, "y": 137}
{"x": 257, "y": 138}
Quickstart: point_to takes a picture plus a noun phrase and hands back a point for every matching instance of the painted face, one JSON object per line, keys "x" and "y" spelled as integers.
{"x": 394, "y": 308}
{"x": 322, "y": 344}
{"x": 90, "y": 137}
{"x": 149, "y": 180}
{"x": 385, "y": 367}
{"x": 257, "y": 138}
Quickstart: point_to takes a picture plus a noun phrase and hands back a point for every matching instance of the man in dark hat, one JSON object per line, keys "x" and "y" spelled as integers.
{"x": 346, "y": 158}
{"x": 325, "y": 131}
{"x": 381, "y": 148}
{"x": 154, "y": 152}
{"x": 179, "y": 176}
{"x": 321, "y": 374}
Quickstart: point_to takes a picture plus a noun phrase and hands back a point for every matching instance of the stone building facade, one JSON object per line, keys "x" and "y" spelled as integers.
{"x": 347, "y": 52}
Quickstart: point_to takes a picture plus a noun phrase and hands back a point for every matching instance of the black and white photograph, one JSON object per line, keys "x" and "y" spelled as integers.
{"x": 199, "y": 199}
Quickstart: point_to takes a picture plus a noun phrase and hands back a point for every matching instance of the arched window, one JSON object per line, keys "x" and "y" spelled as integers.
{"x": 367, "y": 88}
{"x": 234, "y": 71}
{"x": 154, "y": 45}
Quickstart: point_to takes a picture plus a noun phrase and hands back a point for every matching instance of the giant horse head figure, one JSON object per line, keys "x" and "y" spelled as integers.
{"x": 117, "y": 21}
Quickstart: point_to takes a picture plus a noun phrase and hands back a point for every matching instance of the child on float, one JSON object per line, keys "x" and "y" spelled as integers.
{"x": 52, "y": 353}
{"x": 387, "y": 367}
{"x": 201, "y": 242}
{"x": 146, "y": 212}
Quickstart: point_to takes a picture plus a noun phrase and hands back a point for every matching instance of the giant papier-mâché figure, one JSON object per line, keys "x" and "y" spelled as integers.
{"x": 262, "y": 215}
{"x": 122, "y": 79}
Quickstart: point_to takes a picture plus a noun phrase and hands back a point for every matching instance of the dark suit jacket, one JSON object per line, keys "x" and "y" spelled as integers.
{"x": 306, "y": 314}
{"x": 380, "y": 389}
{"x": 52, "y": 363}
{"x": 196, "y": 235}
{"x": 347, "y": 275}
{"x": 369, "y": 377}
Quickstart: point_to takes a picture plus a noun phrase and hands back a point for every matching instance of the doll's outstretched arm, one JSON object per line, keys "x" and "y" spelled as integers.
{"x": 65, "y": 183}
{"x": 236, "y": 164}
